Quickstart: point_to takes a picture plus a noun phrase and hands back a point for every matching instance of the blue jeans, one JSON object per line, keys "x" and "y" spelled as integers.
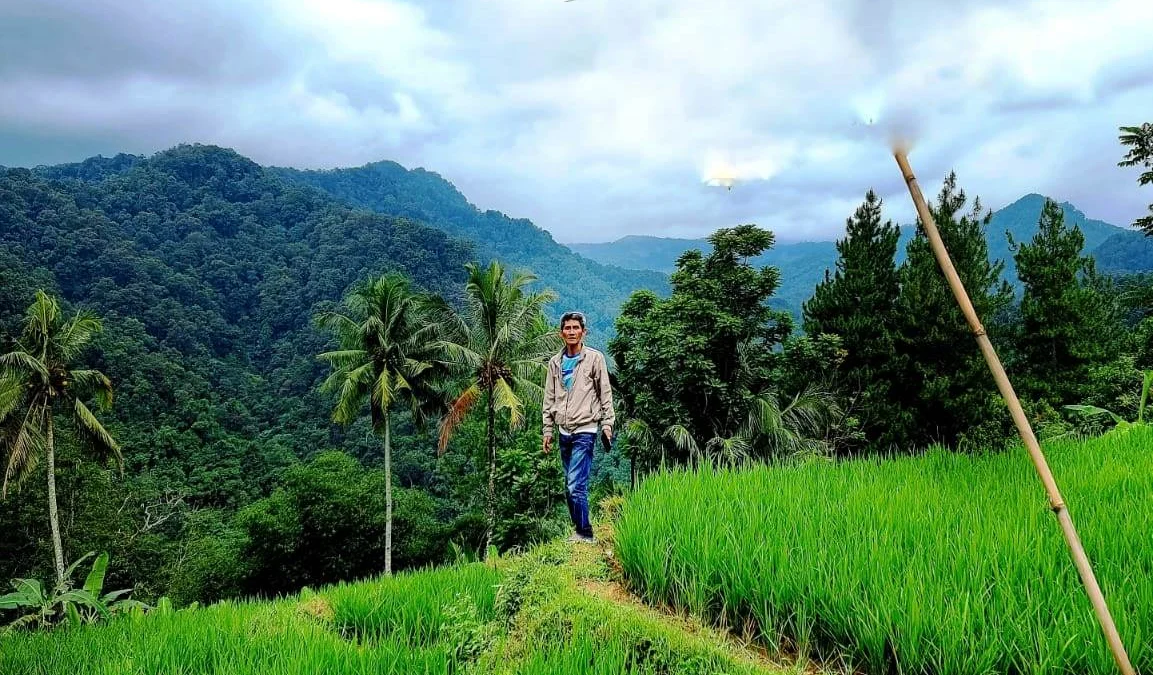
{"x": 576, "y": 453}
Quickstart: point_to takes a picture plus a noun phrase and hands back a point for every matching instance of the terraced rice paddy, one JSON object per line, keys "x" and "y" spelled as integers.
{"x": 527, "y": 615}
{"x": 943, "y": 563}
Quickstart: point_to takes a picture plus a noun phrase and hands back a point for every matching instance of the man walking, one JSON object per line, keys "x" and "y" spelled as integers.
{"x": 577, "y": 398}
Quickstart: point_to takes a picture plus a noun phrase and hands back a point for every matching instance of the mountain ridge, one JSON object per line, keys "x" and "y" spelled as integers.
{"x": 581, "y": 283}
{"x": 1116, "y": 250}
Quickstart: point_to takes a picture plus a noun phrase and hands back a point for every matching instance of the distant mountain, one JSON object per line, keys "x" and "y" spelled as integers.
{"x": 637, "y": 251}
{"x": 1127, "y": 252}
{"x": 1020, "y": 219}
{"x": 596, "y": 287}
{"x": 803, "y": 264}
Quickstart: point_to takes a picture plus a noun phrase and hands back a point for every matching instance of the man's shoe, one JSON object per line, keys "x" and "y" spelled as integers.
{"x": 586, "y": 539}
{"x": 574, "y": 538}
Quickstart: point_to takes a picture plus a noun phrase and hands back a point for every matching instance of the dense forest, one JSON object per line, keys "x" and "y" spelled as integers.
{"x": 580, "y": 283}
{"x": 886, "y": 362}
{"x": 207, "y": 270}
{"x": 209, "y": 275}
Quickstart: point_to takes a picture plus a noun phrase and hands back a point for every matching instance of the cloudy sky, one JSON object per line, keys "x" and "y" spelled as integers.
{"x": 599, "y": 118}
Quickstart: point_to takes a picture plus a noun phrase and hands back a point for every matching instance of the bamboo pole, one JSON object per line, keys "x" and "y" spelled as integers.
{"x": 1006, "y": 388}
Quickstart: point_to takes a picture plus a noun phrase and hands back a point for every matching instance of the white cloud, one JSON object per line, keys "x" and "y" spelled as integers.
{"x": 598, "y": 118}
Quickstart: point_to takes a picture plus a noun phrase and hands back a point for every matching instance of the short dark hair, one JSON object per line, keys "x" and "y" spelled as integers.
{"x": 573, "y": 316}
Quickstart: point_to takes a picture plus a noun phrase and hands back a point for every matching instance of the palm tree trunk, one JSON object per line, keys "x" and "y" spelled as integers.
{"x": 491, "y": 473}
{"x": 387, "y": 494}
{"x": 53, "y": 511}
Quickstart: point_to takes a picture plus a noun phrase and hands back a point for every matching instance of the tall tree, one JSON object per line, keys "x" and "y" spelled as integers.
{"x": 386, "y": 357}
{"x": 1140, "y": 143}
{"x": 498, "y": 349}
{"x": 1066, "y": 327}
{"x": 946, "y": 383}
{"x": 37, "y": 382}
{"x": 859, "y": 303}
{"x": 693, "y": 365}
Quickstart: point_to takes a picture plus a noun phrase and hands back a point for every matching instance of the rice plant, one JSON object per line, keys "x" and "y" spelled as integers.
{"x": 414, "y": 608}
{"x": 942, "y": 563}
{"x": 389, "y": 625}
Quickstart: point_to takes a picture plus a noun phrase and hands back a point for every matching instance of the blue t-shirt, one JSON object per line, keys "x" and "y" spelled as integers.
{"x": 568, "y": 366}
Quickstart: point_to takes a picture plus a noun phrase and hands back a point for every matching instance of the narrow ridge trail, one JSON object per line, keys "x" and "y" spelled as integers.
{"x": 587, "y": 559}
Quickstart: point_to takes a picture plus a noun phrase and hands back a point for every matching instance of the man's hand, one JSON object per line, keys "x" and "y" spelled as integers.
{"x": 547, "y": 445}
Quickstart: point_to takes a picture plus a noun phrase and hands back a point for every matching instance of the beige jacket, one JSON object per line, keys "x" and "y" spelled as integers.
{"x": 591, "y": 398}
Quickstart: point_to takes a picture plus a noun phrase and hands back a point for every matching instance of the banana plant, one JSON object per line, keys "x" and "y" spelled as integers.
{"x": 95, "y": 603}
{"x": 45, "y": 608}
{"x": 45, "y": 605}
{"x": 1122, "y": 425}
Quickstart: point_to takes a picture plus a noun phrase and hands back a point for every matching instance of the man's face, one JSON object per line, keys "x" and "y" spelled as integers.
{"x": 572, "y": 332}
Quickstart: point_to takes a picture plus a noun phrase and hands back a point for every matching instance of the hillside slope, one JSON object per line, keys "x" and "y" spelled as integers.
{"x": 207, "y": 270}
{"x": 581, "y": 283}
{"x": 556, "y": 610}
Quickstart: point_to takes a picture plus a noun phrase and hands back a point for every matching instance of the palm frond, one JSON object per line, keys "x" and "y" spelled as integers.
{"x": 26, "y": 446}
{"x": 459, "y": 357}
{"x": 808, "y": 411}
{"x": 531, "y": 366}
{"x": 343, "y": 327}
{"x": 504, "y": 398}
{"x": 639, "y": 431}
{"x": 344, "y": 359}
{"x": 765, "y": 415}
{"x": 530, "y": 389}
{"x": 23, "y": 362}
{"x": 354, "y": 387}
{"x": 682, "y": 439}
{"x": 449, "y": 324}
{"x": 383, "y": 388}
{"x": 730, "y": 451}
{"x": 78, "y": 334}
{"x": 94, "y": 434}
{"x": 457, "y": 411}
{"x": 12, "y": 394}
{"x": 413, "y": 368}
{"x": 41, "y": 321}
{"x": 94, "y": 384}
{"x": 775, "y": 428}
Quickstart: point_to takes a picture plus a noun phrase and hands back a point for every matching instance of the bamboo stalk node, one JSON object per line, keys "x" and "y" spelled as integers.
{"x": 979, "y": 331}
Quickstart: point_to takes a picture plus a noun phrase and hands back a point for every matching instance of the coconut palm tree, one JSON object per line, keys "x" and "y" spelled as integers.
{"x": 37, "y": 383}
{"x": 1140, "y": 143}
{"x": 498, "y": 349}
{"x": 385, "y": 358}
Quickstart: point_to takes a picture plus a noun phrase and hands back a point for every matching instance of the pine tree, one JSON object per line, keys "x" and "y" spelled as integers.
{"x": 1066, "y": 325}
{"x": 947, "y": 383}
{"x": 859, "y": 304}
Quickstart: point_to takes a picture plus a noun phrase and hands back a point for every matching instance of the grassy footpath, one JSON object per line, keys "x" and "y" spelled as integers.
{"x": 549, "y": 612}
{"x": 945, "y": 564}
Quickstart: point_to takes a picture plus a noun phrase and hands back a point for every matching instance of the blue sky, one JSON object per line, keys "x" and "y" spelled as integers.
{"x": 599, "y": 118}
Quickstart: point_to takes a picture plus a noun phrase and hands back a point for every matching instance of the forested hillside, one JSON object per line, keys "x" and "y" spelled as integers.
{"x": 206, "y": 270}
{"x": 581, "y": 283}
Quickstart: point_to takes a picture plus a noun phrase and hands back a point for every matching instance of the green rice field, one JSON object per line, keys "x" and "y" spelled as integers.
{"x": 391, "y": 625}
{"x": 942, "y": 563}
{"x": 527, "y": 615}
